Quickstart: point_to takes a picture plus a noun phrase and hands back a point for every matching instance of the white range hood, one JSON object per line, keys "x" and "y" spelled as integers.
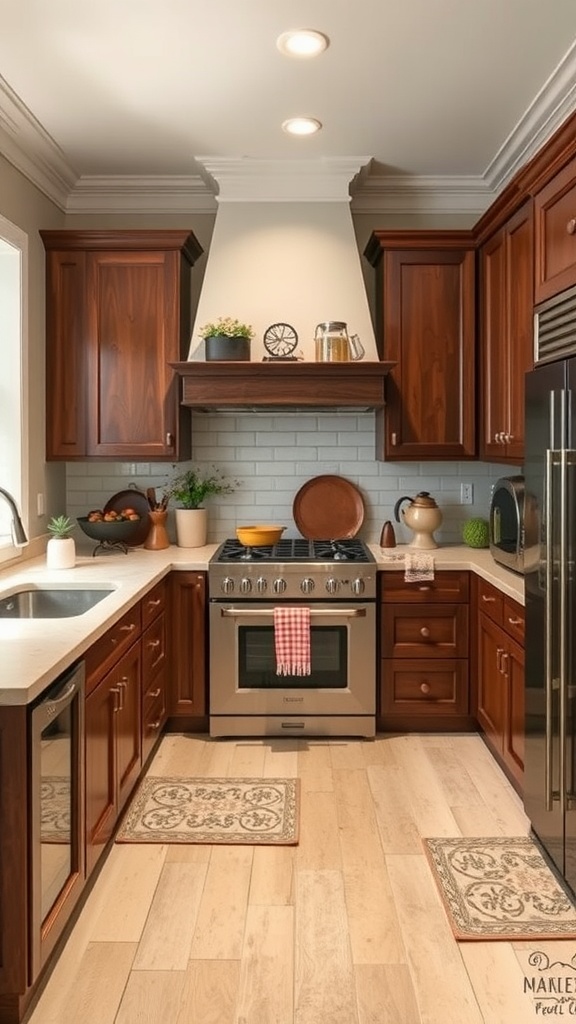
{"x": 283, "y": 250}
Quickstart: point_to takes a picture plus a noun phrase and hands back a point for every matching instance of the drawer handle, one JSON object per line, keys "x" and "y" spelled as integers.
{"x": 425, "y": 588}
{"x": 425, "y": 631}
{"x": 123, "y": 629}
{"x": 571, "y": 226}
{"x": 117, "y": 702}
{"x": 487, "y": 599}
{"x": 499, "y": 653}
{"x": 425, "y": 688}
{"x": 154, "y": 602}
{"x": 153, "y": 644}
{"x": 153, "y": 726}
{"x": 514, "y": 622}
{"x": 155, "y": 693}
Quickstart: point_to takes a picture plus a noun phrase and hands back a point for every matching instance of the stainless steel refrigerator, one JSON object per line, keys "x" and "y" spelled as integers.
{"x": 550, "y": 561}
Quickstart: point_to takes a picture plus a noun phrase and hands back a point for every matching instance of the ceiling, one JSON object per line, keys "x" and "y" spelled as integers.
{"x": 461, "y": 90}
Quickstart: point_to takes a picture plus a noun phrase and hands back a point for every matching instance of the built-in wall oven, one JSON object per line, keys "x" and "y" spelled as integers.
{"x": 57, "y": 811}
{"x": 337, "y": 582}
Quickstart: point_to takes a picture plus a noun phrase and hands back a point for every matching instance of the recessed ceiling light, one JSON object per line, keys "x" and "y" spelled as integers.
{"x": 302, "y": 43}
{"x": 301, "y": 125}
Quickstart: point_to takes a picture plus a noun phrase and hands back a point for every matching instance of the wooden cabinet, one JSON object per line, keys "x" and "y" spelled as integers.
{"x": 425, "y": 323}
{"x": 188, "y": 678}
{"x": 423, "y": 646}
{"x": 555, "y": 234}
{"x": 118, "y": 312}
{"x": 14, "y": 861}
{"x": 154, "y": 666}
{"x": 500, "y": 676}
{"x": 113, "y": 732}
{"x": 506, "y": 335}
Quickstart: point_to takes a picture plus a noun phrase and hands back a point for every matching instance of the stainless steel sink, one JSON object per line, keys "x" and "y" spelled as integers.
{"x": 50, "y": 601}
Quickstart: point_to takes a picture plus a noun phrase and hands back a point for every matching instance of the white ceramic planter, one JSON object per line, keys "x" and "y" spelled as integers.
{"x": 61, "y": 553}
{"x": 191, "y": 527}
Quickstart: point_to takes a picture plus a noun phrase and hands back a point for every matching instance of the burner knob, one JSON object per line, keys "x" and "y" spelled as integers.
{"x": 332, "y": 585}
{"x": 279, "y": 586}
{"x": 261, "y": 585}
{"x": 245, "y": 585}
{"x": 307, "y": 585}
{"x": 357, "y": 586}
{"x": 227, "y": 585}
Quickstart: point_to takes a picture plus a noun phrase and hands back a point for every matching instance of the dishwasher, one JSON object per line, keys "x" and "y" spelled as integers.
{"x": 56, "y": 800}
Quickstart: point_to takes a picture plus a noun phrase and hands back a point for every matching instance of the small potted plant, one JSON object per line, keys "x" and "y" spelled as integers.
{"x": 61, "y": 548}
{"x": 190, "y": 489}
{"x": 227, "y": 339}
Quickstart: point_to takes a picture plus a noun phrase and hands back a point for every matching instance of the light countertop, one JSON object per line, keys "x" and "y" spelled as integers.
{"x": 35, "y": 651}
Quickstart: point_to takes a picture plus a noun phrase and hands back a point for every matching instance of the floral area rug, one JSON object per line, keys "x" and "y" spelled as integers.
{"x": 500, "y": 888}
{"x": 258, "y": 812}
{"x": 55, "y": 809}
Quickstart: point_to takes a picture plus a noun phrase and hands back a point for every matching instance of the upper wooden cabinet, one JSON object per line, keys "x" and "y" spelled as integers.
{"x": 555, "y": 231}
{"x": 118, "y": 312}
{"x": 425, "y": 323}
{"x": 506, "y": 335}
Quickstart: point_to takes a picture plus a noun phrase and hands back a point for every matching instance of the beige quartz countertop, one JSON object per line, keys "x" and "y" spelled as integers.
{"x": 35, "y": 651}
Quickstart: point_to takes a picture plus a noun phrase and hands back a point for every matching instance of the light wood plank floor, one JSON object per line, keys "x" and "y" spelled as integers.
{"x": 346, "y": 927}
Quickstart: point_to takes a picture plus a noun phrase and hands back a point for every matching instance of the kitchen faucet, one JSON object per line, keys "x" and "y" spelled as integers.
{"x": 18, "y": 532}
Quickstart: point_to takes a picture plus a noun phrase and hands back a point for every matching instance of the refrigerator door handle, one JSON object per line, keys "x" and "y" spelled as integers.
{"x": 563, "y": 634}
{"x": 549, "y": 570}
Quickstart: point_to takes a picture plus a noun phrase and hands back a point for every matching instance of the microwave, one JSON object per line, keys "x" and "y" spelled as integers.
{"x": 507, "y": 522}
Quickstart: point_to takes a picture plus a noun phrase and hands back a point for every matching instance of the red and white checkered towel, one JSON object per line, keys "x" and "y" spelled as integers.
{"x": 292, "y": 641}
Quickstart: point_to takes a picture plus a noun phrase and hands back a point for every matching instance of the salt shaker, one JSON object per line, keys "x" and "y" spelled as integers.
{"x": 387, "y": 537}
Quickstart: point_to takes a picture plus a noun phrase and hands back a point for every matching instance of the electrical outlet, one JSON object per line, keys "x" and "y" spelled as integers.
{"x": 40, "y": 504}
{"x": 466, "y": 494}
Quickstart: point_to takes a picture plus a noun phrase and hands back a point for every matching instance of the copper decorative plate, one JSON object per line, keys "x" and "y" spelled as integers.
{"x": 328, "y": 508}
{"x": 132, "y": 498}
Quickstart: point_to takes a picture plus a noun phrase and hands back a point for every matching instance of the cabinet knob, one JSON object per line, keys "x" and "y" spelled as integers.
{"x": 425, "y": 688}
{"x": 169, "y": 440}
{"x": 393, "y": 438}
{"x": 571, "y": 226}
{"x": 425, "y": 631}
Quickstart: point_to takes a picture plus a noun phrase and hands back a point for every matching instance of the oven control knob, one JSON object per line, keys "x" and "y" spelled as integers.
{"x": 279, "y": 586}
{"x": 332, "y": 585}
{"x": 227, "y": 585}
{"x": 307, "y": 585}
{"x": 245, "y": 586}
{"x": 261, "y": 585}
{"x": 357, "y": 586}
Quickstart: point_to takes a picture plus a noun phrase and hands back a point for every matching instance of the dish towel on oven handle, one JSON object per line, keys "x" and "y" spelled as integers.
{"x": 418, "y": 567}
{"x": 292, "y": 641}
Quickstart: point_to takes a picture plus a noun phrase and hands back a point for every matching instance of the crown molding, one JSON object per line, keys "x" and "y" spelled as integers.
{"x": 242, "y": 179}
{"x": 396, "y": 193}
{"x": 181, "y": 194}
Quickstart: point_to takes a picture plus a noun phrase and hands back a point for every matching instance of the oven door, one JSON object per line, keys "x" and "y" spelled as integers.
{"x": 243, "y": 678}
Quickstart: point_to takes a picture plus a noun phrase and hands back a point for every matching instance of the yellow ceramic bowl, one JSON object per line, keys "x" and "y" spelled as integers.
{"x": 259, "y": 536}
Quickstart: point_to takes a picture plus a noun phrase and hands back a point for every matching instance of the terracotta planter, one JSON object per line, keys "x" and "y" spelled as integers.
{"x": 191, "y": 527}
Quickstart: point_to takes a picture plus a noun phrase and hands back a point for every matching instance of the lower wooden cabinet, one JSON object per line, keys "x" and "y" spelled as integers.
{"x": 500, "y": 678}
{"x": 187, "y": 696}
{"x": 424, "y": 647}
{"x": 154, "y": 666}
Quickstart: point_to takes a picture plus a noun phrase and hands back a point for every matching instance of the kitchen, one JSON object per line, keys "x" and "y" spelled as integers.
{"x": 259, "y": 448}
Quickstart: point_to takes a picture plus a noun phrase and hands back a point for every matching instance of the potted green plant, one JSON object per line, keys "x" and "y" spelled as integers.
{"x": 61, "y": 548}
{"x": 189, "y": 489}
{"x": 227, "y": 339}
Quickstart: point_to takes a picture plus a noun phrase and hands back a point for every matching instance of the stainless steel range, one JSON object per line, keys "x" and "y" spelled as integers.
{"x": 336, "y": 580}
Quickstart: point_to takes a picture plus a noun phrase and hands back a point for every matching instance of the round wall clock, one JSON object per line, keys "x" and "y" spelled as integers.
{"x": 280, "y": 340}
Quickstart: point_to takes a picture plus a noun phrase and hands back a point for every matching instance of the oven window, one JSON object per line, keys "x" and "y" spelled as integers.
{"x": 257, "y": 660}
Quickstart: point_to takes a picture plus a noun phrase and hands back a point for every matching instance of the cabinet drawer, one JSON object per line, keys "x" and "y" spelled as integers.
{"x": 105, "y": 652}
{"x": 490, "y": 601}
{"x": 514, "y": 617}
{"x": 153, "y": 713}
{"x": 154, "y": 603}
{"x": 154, "y": 647}
{"x": 447, "y": 586}
{"x": 436, "y": 631}
{"x": 423, "y": 687}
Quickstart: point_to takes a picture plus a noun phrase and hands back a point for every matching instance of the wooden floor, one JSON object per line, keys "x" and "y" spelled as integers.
{"x": 347, "y": 927}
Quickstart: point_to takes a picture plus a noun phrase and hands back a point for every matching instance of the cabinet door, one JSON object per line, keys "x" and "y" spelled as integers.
{"x": 188, "y": 644}
{"x": 520, "y": 324}
{"x": 133, "y": 329}
{"x": 493, "y": 344}
{"x": 513, "y": 666}
{"x": 127, "y": 725}
{"x": 100, "y": 711}
{"x": 65, "y": 355}
{"x": 555, "y": 230}
{"x": 492, "y": 705}
{"x": 428, "y": 324}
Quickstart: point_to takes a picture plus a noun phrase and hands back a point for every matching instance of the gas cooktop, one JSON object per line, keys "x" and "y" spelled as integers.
{"x": 295, "y": 550}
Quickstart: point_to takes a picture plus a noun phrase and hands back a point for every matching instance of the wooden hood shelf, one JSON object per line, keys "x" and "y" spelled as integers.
{"x": 287, "y": 385}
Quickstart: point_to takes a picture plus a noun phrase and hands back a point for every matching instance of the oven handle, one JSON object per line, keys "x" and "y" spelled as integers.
{"x": 348, "y": 613}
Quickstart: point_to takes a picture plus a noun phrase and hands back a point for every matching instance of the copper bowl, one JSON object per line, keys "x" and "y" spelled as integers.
{"x": 259, "y": 536}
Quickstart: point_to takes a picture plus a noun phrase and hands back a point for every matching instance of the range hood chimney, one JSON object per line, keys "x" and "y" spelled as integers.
{"x": 283, "y": 250}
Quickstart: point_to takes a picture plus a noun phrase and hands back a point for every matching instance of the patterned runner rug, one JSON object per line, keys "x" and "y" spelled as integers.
{"x": 500, "y": 889}
{"x": 258, "y": 812}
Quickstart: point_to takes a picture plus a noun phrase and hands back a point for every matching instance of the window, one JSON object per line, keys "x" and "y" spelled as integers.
{"x": 13, "y": 403}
